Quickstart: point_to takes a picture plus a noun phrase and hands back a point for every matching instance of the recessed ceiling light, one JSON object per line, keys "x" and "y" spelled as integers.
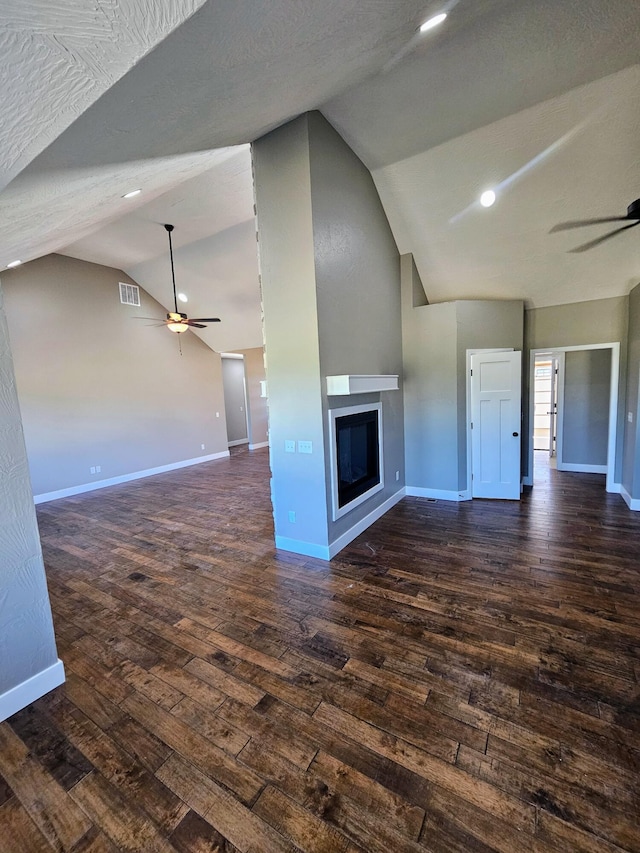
{"x": 487, "y": 198}
{"x": 433, "y": 22}
{"x": 132, "y": 193}
{"x": 13, "y": 264}
{"x": 183, "y": 297}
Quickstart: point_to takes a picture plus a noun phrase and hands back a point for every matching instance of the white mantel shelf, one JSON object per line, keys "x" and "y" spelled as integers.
{"x": 360, "y": 384}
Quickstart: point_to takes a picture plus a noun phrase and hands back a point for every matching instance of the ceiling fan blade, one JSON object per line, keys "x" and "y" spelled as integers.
{"x": 196, "y": 325}
{"x": 157, "y": 319}
{"x": 592, "y": 243}
{"x": 578, "y": 223}
{"x": 205, "y": 319}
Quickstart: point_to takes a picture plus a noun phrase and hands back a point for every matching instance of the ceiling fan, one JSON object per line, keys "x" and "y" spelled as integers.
{"x": 177, "y": 321}
{"x": 633, "y": 215}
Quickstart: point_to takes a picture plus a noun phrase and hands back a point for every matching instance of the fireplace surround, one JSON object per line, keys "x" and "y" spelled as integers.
{"x": 357, "y": 470}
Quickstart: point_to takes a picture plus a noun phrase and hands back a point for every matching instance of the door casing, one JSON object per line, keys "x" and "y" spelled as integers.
{"x": 611, "y": 485}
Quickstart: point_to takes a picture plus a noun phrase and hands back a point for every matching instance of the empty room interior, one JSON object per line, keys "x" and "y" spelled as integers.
{"x": 319, "y": 447}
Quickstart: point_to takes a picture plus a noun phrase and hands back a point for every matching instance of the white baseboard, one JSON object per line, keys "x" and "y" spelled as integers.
{"x": 326, "y": 552}
{"x": 359, "y": 527}
{"x": 579, "y": 468}
{"x": 307, "y": 549}
{"x": 237, "y": 442}
{"x": 125, "y": 478}
{"x": 259, "y": 445}
{"x": 33, "y": 688}
{"x": 632, "y": 503}
{"x": 438, "y": 494}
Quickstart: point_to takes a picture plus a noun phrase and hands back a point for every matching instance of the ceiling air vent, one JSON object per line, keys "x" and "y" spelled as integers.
{"x": 129, "y": 294}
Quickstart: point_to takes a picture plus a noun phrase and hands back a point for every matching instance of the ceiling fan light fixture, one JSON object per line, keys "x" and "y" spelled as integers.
{"x": 177, "y": 322}
{"x": 432, "y": 22}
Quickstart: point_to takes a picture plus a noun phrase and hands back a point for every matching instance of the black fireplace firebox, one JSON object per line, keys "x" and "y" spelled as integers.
{"x": 357, "y": 456}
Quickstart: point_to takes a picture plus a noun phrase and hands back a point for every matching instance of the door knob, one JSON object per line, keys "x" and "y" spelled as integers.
{"x": 515, "y": 435}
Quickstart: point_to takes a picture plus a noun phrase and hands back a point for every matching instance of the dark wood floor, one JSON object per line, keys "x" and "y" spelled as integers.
{"x": 463, "y": 677}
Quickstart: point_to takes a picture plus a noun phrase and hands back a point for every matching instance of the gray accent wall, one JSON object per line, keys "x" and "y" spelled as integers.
{"x": 235, "y": 400}
{"x": 357, "y": 268}
{"x": 258, "y": 408}
{"x": 287, "y": 270}
{"x": 587, "y": 392}
{"x": 100, "y": 387}
{"x": 631, "y": 456}
{"x": 579, "y": 324}
{"x": 331, "y": 292}
{"x": 27, "y": 644}
{"x": 436, "y": 338}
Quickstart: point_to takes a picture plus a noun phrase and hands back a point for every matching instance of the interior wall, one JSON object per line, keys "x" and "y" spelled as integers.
{"x": 27, "y": 644}
{"x": 100, "y": 387}
{"x": 587, "y": 390}
{"x": 235, "y": 400}
{"x": 482, "y": 324}
{"x": 358, "y": 298}
{"x": 435, "y": 342}
{"x": 578, "y": 324}
{"x": 430, "y": 394}
{"x": 258, "y": 406}
{"x": 288, "y": 281}
{"x": 331, "y": 295}
{"x": 631, "y": 460}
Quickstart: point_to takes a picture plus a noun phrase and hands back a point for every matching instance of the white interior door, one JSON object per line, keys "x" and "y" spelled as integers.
{"x": 495, "y": 424}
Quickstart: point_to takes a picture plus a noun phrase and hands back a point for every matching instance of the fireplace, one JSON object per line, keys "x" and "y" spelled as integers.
{"x": 357, "y": 470}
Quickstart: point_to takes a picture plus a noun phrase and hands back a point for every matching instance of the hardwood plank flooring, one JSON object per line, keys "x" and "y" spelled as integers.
{"x": 463, "y": 678}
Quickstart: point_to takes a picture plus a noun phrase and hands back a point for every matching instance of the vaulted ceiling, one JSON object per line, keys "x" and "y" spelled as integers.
{"x": 536, "y": 98}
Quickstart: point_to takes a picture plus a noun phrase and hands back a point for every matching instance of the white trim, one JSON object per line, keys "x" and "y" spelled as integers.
{"x": 125, "y": 478}
{"x": 307, "y": 549}
{"x": 583, "y": 469}
{"x": 33, "y": 688}
{"x": 360, "y": 526}
{"x": 610, "y": 468}
{"x": 237, "y": 355}
{"x": 345, "y": 385}
{"x": 438, "y": 494}
{"x": 237, "y": 442}
{"x": 326, "y": 552}
{"x": 632, "y": 503}
{"x": 259, "y": 445}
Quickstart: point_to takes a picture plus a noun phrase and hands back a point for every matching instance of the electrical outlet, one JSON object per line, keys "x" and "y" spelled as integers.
{"x": 292, "y": 516}
{"x": 397, "y": 475}
{"x": 630, "y": 417}
{"x": 305, "y": 447}
{"x": 202, "y": 447}
{"x": 289, "y": 446}
{"x": 92, "y": 470}
{"x": 98, "y": 469}
{"x": 217, "y": 414}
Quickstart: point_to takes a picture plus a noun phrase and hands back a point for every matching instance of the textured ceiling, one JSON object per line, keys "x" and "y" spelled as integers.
{"x": 58, "y": 56}
{"x": 436, "y": 119}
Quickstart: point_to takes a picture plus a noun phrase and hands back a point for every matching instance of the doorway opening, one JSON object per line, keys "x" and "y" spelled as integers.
{"x": 573, "y": 410}
{"x": 545, "y": 410}
{"x": 235, "y": 399}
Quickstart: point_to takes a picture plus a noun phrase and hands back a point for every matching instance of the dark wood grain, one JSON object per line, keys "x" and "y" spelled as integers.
{"x": 462, "y": 678}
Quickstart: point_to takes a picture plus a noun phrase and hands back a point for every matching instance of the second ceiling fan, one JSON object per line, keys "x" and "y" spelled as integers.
{"x": 632, "y": 217}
